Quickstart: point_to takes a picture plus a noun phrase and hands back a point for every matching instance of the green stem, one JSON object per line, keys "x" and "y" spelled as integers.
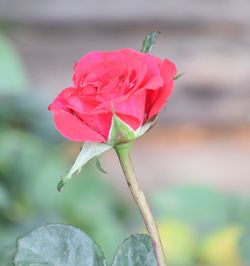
{"x": 123, "y": 152}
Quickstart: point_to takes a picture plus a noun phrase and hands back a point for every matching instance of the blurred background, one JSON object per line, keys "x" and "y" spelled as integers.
{"x": 193, "y": 166}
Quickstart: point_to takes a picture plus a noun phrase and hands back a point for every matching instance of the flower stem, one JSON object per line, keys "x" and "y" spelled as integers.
{"x": 123, "y": 152}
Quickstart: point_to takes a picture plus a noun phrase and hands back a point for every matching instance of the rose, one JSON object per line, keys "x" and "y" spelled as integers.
{"x": 115, "y": 98}
{"x": 132, "y": 85}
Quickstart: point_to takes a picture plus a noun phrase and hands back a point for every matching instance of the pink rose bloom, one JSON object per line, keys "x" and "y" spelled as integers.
{"x": 133, "y": 85}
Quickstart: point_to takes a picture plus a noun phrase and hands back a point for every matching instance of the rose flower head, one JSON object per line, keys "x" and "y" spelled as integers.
{"x": 113, "y": 96}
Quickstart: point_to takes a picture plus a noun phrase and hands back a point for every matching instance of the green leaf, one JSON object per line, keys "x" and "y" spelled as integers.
{"x": 148, "y": 42}
{"x": 136, "y": 250}
{"x": 12, "y": 75}
{"x": 89, "y": 151}
{"x": 120, "y": 132}
{"x": 99, "y": 165}
{"x": 58, "y": 245}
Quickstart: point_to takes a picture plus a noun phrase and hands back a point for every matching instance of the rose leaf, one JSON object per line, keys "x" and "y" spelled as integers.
{"x": 58, "y": 244}
{"x": 135, "y": 250}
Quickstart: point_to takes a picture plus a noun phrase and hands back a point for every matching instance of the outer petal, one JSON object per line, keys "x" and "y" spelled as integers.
{"x": 157, "y": 99}
{"x": 131, "y": 121}
{"x": 154, "y": 83}
{"x": 61, "y": 101}
{"x": 168, "y": 70}
{"x": 99, "y": 122}
{"x": 80, "y": 104}
{"x": 74, "y": 129}
{"x": 132, "y": 110}
{"x": 153, "y": 71}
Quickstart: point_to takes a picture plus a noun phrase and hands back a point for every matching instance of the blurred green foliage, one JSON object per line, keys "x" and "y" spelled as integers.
{"x": 212, "y": 225}
{"x": 12, "y": 75}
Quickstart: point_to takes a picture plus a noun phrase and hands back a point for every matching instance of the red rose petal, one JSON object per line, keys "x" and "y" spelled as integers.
{"x": 84, "y": 65}
{"x": 159, "y": 97}
{"x": 100, "y": 122}
{"x": 154, "y": 83}
{"x": 168, "y": 70}
{"x": 90, "y": 63}
{"x": 74, "y": 129}
{"x": 134, "y": 85}
{"x": 133, "y": 107}
{"x": 61, "y": 100}
{"x": 131, "y": 121}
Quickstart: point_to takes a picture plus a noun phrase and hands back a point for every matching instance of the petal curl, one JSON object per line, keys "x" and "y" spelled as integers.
{"x": 61, "y": 101}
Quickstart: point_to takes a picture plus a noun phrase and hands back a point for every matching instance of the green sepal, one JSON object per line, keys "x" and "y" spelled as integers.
{"x": 178, "y": 76}
{"x": 148, "y": 42}
{"x": 88, "y": 151}
{"x": 99, "y": 165}
{"x": 120, "y": 132}
{"x": 146, "y": 127}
